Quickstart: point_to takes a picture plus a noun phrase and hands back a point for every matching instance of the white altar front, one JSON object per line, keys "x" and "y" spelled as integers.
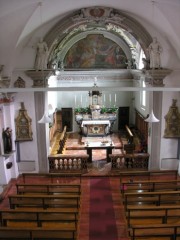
{"x": 95, "y": 127}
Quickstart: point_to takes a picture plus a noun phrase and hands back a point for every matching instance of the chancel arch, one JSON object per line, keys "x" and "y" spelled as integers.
{"x": 113, "y": 24}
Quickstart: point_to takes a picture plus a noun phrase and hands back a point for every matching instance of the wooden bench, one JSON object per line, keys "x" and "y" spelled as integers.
{"x": 148, "y": 175}
{"x": 44, "y": 201}
{"x": 130, "y": 135}
{"x": 36, "y": 233}
{"x": 48, "y": 188}
{"x": 149, "y": 185}
{"x": 62, "y": 141}
{"x": 142, "y": 214}
{"x": 38, "y": 217}
{"x": 59, "y": 140}
{"x": 53, "y": 177}
{"x": 155, "y": 230}
{"x": 153, "y": 198}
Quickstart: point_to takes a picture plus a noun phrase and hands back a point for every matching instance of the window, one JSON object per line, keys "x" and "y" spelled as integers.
{"x": 143, "y": 97}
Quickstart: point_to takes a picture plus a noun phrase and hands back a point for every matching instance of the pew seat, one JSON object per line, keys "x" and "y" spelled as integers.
{"x": 154, "y": 231}
{"x": 153, "y": 198}
{"x": 38, "y": 217}
{"x": 36, "y": 233}
{"x": 151, "y": 214}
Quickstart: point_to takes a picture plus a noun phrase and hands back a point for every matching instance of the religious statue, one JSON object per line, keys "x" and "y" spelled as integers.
{"x": 7, "y": 140}
{"x": 41, "y": 55}
{"x": 154, "y": 51}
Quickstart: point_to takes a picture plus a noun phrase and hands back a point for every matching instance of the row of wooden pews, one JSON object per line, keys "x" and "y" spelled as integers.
{"x": 59, "y": 141}
{"x": 48, "y": 210}
{"x": 152, "y": 205}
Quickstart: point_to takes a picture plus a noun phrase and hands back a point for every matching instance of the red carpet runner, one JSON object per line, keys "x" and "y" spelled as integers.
{"x": 102, "y": 223}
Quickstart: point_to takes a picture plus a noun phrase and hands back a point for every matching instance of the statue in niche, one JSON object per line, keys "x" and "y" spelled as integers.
{"x": 155, "y": 51}
{"x": 41, "y": 55}
{"x": 7, "y": 140}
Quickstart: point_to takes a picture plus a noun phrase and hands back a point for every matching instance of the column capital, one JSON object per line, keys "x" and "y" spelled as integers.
{"x": 155, "y": 77}
{"x": 39, "y": 77}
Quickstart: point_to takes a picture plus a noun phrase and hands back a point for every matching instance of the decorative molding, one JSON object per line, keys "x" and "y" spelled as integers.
{"x": 40, "y": 78}
{"x": 19, "y": 83}
{"x": 100, "y": 19}
{"x": 155, "y": 77}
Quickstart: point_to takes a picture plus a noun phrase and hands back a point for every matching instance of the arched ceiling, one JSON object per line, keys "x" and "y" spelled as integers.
{"x": 20, "y": 24}
{"x": 122, "y": 29}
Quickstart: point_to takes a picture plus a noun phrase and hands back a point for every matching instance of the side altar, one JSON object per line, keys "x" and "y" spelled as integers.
{"x": 95, "y": 120}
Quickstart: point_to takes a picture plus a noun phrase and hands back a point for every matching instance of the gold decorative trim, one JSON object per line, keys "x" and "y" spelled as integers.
{"x": 23, "y": 125}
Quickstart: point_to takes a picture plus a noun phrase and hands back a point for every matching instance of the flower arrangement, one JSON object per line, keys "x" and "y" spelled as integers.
{"x": 109, "y": 110}
{"x": 81, "y": 110}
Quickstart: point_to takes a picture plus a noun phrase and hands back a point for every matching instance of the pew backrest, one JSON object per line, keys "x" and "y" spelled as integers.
{"x": 48, "y": 188}
{"x": 163, "y": 212}
{"x": 44, "y": 201}
{"x": 37, "y": 217}
{"x": 150, "y": 185}
{"x": 153, "y": 198}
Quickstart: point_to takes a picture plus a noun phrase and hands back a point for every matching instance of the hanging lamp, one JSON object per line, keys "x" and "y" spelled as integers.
{"x": 151, "y": 118}
{"x": 45, "y": 119}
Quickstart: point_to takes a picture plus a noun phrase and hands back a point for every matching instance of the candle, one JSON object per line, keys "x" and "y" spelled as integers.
{"x": 115, "y": 97}
{"x": 81, "y": 100}
{"x": 104, "y": 98}
{"x": 110, "y": 98}
{"x": 75, "y": 100}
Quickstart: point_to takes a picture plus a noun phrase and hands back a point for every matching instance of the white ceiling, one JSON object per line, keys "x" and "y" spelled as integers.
{"x": 20, "y": 21}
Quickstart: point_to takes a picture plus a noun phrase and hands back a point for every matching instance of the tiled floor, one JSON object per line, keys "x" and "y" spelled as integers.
{"x": 76, "y": 144}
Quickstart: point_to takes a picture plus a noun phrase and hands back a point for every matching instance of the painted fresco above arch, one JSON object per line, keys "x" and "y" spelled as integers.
{"x": 95, "y": 51}
{"x": 100, "y": 20}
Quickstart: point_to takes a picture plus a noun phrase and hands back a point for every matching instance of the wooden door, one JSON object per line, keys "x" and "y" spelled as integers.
{"x": 123, "y": 115}
{"x": 67, "y": 115}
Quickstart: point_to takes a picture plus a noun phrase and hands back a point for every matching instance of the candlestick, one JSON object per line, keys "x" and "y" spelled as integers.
{"x": 81, "y": 100}
{"x": 75, "y": 100}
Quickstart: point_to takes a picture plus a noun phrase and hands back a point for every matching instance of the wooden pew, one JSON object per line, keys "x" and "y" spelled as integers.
{"x": 62, "y": 141}
{"x": 38, "y": 217}
{"x": 149, "y": 185}
{"x": 44, "y": 201}
{"x": 155, "y": 230}
{"x": 148, "y": 175}
{"x": 54, "y": 177}
{"x": 130, "y": 135}
{"x": 151, "y": 214}
{"x": 153, "y": 198}
{"x": 36, "y": 233}
{"x": 48, "y": 188}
